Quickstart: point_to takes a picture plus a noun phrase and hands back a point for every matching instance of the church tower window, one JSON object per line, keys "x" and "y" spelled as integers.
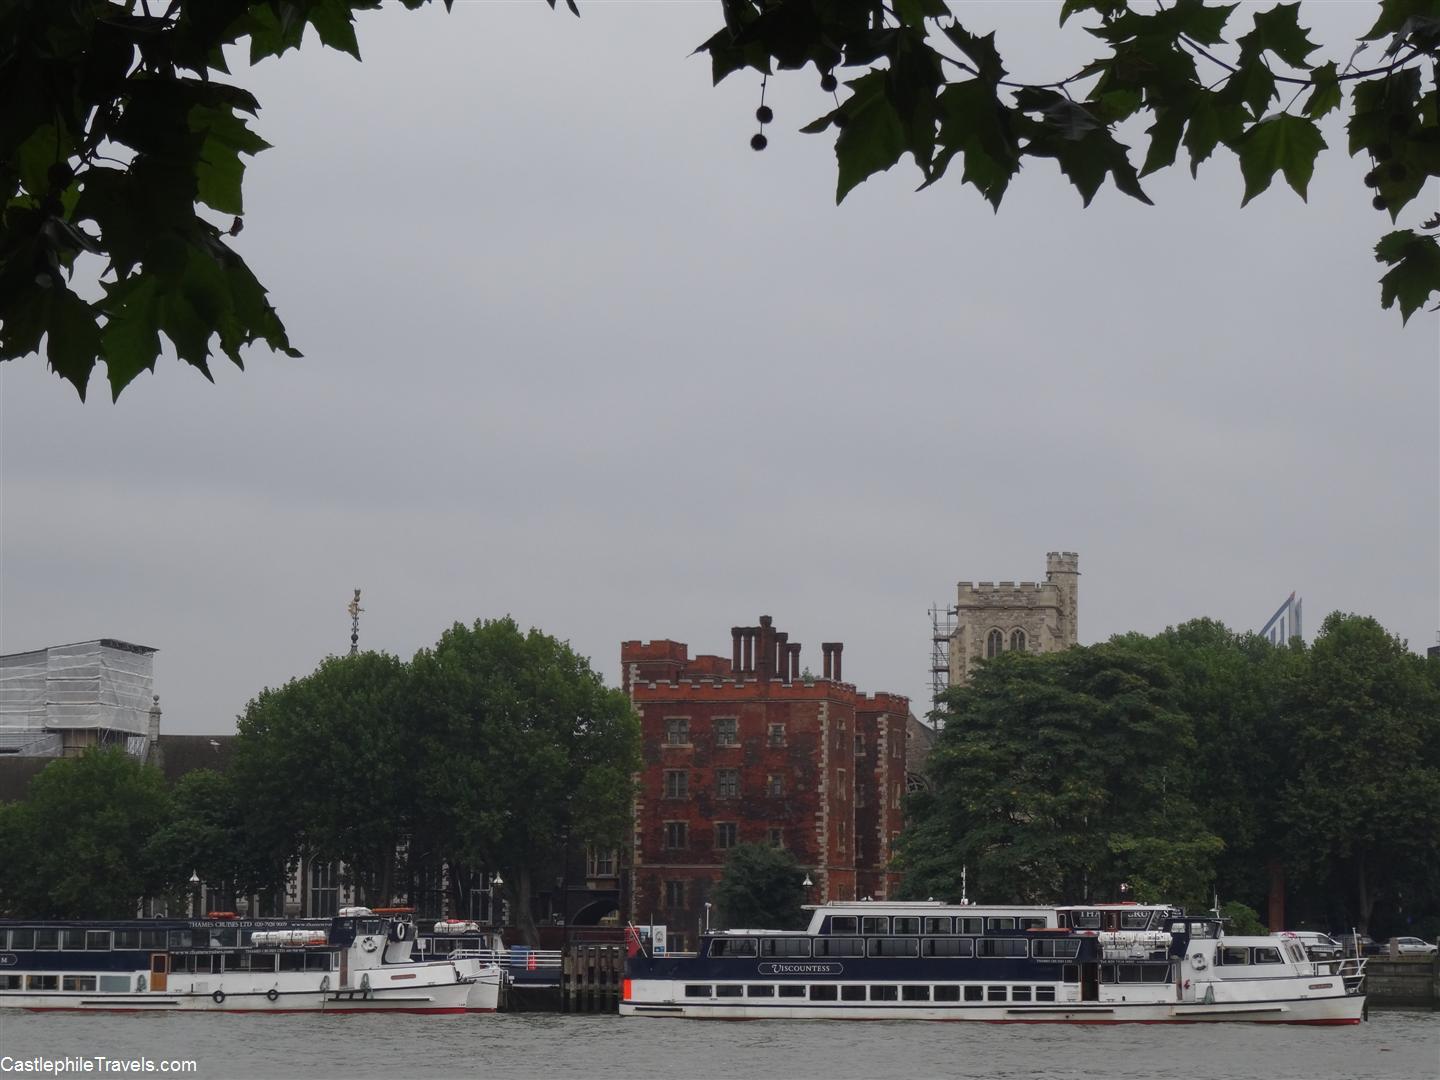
{"x": 1017, "y": 640}
{"x": 994, "y": 642}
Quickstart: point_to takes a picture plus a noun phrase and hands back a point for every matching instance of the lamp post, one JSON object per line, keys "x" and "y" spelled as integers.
{"x": 194, "y": 895}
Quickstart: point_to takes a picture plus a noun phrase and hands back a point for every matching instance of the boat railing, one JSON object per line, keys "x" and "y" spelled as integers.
{"x": 513, "y": 960}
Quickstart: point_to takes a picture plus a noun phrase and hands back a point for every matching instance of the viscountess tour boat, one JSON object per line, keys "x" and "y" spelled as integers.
{"x": 361, "y": 961}
{"x": 1093, "y": 964}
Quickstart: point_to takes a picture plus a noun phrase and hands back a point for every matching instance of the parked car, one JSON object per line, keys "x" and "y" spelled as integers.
{"x": 1413, "y": 946}
{"x": 1368, "y": 946}
{"x": 1320, "y": 946}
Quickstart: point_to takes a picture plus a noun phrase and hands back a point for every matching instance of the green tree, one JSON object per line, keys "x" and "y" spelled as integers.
{"x": 1057, "y": 777}
{"x": 123, "y": 147}
{"x": 762, "y": 887}
{"x": 525, "y": 750}
{"x": 327, "y": 764}
{"x": 78, "y": 847}
{"x": 1363, "y": 802}
{"x": 212, "y": 832}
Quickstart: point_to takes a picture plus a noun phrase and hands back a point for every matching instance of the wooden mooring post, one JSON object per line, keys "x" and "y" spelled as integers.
{"x": 590, "y": 979}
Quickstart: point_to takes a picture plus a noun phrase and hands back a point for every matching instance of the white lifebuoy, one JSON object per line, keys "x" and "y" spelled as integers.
{"x": 368, "y": 944}
{"x": 402, "y": 931}
{"x": 1198, "y": 961}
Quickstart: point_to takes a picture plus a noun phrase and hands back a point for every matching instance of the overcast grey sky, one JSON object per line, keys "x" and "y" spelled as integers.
{"x": 575, "y": 353}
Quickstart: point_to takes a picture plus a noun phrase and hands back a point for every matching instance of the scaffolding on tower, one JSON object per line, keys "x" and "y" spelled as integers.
{"x": 942, "y": 629}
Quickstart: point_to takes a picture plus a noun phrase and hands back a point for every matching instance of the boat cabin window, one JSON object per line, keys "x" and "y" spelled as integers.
{"x": 292, "y": 961}
{"x": 1202, "y": 930}
{"x": 1296, "y": 954}
{"x": 732, "y": 947}
{"x": 729, "y": 991}
{"x": 1135, "y": 973}
{"x": 947, "y": 993}
{"x": 1266, "y": 954}
{"x": 1019, "y": 993}
{"x": 115, "y": 984}
{"x": 1134, "y": 920}
{"x": 698, "y": 990}
{"x": 83, "y": 983}
{"x": 98, "y": 940}
{"x": 151, "y": 940}
{"x": 875, "y": 924}
{"x": 317, "y": 961}
{"x": 906, "y": 924}
{"x": 127, "y": 939}
{"x": 42, "y": 982}
{"x": 784, "y": 946}
{"x": 1111, "y": 920}
{"x": 974, "y": 993}
{"x": 1044, "y": 993}
{"x": 823, "y": 992}
{"x": 179, "y": 939}
{"x": 938, "y": 925}
{"x": 995, "y": 993}
{"x": 915, "y": 993}
{"x": 72, "y": 939}
{"x": 760, "y": 990}
{"x": 1085, "y": 920}
{"x": 840, "y": 946}
{"x": 964, "y": 925}
{"x": 844, "y": 924}
{"x": 852, "y": 993}
{"x": 1233, "y": 954}
{"x": 22, "y": 940}
{"x": 792, "y": 990}
{"x": 884, "y": 993}
{"x": 952, "y": 946}
{"x": 227, "y": 937}
{"x": 47, "y": 939}
{"x": 370, "y": 926}
{"x": 11, "y": 982}
{"x": 894, "y": 946}
{"x": 1004, "y": 922}
{"x": 1003, "y": 947}
{"x": 1031, "y": 922}
{"x": 1061, "y": 949}
{"x": 1070, "y": 973}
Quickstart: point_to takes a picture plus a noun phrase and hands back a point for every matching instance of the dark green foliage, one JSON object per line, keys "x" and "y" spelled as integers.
{"x": 1189, "y": 764}
{"x": 935, "y": 89}
{"x": 763, "y": 886}
{"x": 80, "y": 845}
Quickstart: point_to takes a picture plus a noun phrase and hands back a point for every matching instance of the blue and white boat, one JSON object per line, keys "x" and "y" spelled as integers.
{"x": 360, "y": 961}
{"x": 1090, "y": 964}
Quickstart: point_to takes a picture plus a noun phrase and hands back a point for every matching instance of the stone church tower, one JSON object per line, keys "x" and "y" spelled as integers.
{"x": 993, "y": 617}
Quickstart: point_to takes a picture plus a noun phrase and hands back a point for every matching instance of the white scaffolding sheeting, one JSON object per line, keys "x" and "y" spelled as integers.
{"x": 92, "y": 685}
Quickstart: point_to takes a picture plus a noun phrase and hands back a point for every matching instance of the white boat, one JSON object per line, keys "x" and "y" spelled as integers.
{"x": 361, "y": 961}
{"x": 1092, "y": 964}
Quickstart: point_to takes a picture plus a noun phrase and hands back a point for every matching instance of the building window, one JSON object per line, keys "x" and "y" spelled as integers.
{"x": 674, "y": 895}
{"x": 600, "y": 862}
{"x": 777, "y": 735}
{"x": 774, "y": 784}
{"x": 776, "y": 837}
{"x": 324, "y": 890}
{"x": 859, "y": 745}
{"x": 727, "y": 731}
{"x": 994, "y": 642}
{"x": 677, "y": 784}
{"x": 842, "y": 785}
{"x": 1017, "y": 640}
{"x": 677, "y": 834}
{"x": 860, "y": 796}
{"x": 677, "y": 731}
{"x": 724, "y": 835}
{"x": 727, "y": 783}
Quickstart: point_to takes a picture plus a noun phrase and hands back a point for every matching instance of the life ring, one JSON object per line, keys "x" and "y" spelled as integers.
{"x": 272, "y": 994}
{"x": 401, "y": 931}
{"x": 1198, "y": 961}
{"x": 218, "y": 997}
{"x": 368, "y": 944}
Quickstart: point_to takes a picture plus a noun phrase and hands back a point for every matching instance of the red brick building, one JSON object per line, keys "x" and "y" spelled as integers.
{"x": 745, "y": 749}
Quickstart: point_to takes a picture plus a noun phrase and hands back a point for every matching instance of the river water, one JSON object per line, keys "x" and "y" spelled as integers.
{"x": 1394, "y": 1045}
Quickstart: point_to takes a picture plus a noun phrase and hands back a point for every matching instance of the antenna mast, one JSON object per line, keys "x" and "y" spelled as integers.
{"x": 355, "y": 609}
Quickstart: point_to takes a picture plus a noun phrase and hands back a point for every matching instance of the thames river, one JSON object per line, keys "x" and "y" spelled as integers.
{"x": 1394, "y": 1045}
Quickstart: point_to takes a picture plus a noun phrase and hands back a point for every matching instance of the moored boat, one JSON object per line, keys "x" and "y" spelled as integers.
{"x": 1095, "y": 964}
{"x": 360, "y": 961}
